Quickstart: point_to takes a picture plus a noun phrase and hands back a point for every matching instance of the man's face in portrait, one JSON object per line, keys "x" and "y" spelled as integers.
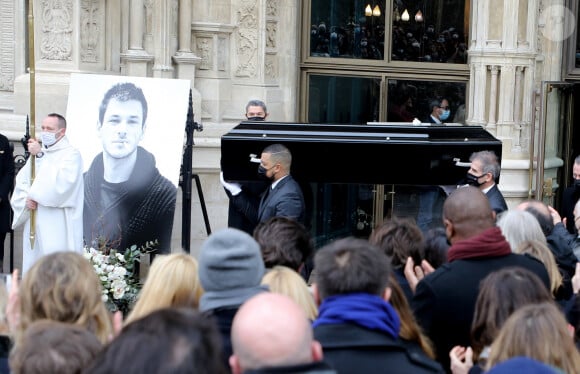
{"x": 122, "y": 128}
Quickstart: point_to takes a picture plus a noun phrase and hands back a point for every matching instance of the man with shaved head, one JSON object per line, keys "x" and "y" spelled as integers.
{"x": 444, "y": 301}
{"x": 271, "y": 333}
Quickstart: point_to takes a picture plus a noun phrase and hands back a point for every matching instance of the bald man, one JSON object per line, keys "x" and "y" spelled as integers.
{"x": 270, "y": 332}
{"x": 560, "y": 242}
{"x": 444, "y": 301}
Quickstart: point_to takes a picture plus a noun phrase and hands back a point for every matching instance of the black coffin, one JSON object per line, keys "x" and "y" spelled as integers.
{"x": 372, "y": 153}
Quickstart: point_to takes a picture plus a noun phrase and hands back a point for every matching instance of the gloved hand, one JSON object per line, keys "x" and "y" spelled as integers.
{"x": 234, "y": 188}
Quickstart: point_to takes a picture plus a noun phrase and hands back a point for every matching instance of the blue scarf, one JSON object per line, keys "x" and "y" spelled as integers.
{"x": 362, "y": 309}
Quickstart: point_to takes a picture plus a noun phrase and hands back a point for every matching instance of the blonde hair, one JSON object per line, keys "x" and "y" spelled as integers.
{"x": 64, "y": 287}
{"x": 286, "y": 281}
{"x": 541, "y": 251}
{"x": 173, "y": 281}
{"x": 537, "y": 331}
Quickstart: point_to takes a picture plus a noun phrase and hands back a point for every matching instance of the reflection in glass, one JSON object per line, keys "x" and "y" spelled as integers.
{"x": 430, "y": 30}
{"x": 577, "y": 47}
{"x": 409, "y": 99}
{"x": 347, "y": 29}
{"x": 342, "y": 210}
{"x": 340, "y": 99}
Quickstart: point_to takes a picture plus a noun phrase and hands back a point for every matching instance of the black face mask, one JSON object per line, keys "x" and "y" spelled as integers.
{"x": 256, "y": 118}
{"x": 577, "y": 184}
{"x": 472, "y": 180}
{"x": 262, "y": 173}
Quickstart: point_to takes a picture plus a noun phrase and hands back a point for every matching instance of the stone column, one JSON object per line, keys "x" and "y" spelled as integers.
{"x": 136, "y": 59}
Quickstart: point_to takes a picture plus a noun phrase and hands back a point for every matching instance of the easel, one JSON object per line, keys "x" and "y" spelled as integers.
{"x": 185, "y": 183}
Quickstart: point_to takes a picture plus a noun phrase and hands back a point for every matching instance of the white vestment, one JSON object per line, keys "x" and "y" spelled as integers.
{"x": 59, "y": 191}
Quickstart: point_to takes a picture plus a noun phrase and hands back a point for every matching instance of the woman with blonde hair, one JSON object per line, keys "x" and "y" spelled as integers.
{"x": 285, "y": 281}
{"x": 173, "y": 281}
{"x": 64, "y": 287}
{"x": 539, "y": 332}
{"x": 540, "y": 250}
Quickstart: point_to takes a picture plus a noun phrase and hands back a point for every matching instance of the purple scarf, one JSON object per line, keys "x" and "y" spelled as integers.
{"x": 362, "y": 309}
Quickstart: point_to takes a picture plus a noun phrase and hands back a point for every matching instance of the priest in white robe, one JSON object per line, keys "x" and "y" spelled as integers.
{"x": 56, "y": 194}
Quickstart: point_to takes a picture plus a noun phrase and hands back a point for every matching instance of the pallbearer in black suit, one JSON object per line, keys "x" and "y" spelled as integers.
{"x": 483, "y": 173}
{"x": 255, "y": 111}
{"x": 283, "y": 198}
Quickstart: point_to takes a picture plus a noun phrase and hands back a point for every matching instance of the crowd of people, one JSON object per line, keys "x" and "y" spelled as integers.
{"x": 502, "y": 297}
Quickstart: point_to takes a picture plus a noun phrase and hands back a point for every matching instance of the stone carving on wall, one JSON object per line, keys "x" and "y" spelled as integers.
{"x": 271, "y": 70}
{"x": 148, "y": 41}
{"x": 247, "y": 36}
{"x": 271, "y": 34}
{"x": 91, "y": 17}
{"x": 7, "y": 38}
{"x": 204, "y": 51}
{"x": 221, "y": 54}
{"x": 272, "y": 8}
{"x": 56, "y": 29}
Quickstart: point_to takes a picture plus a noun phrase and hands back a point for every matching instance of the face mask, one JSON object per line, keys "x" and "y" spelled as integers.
{"x": 445, "y": 115}
{"x": 472, "y": 180}
{"x": 48, "y": 138}
{"x": 577, "y": 184}
{"x": 262, "y": 173}
{"x": 255, "y": 118}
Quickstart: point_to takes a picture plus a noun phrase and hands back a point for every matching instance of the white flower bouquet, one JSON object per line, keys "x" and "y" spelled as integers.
{"x": 119, "y": 280}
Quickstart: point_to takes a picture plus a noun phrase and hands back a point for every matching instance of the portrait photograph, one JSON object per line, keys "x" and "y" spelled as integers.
{"x": 130, "y": 132}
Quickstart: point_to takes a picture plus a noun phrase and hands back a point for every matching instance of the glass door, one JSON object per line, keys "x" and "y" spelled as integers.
{"x": 555, "y": 149}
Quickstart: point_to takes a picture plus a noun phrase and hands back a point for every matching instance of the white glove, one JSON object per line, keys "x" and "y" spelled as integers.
{"x": 234, "y": 188}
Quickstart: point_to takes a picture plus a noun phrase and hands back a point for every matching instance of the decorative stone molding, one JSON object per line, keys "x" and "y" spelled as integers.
{"x": 56, "y": 30}
{"x": 212, "y": 45}
{"x": 271, "y": 67}
{"x": 90, "y": 29}
{"x": 272, "y": 8}
{"x": 247, "y": 39}
{"x": 271, "y": 35}
{"x": 7, "y": 38}
{"x": 205, "y": 52}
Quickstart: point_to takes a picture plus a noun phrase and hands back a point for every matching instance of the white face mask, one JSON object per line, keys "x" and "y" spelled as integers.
{"x": 48, "y": 138}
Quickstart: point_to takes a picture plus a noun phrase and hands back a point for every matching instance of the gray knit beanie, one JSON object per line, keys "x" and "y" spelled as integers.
{"x": 230, "y": 269}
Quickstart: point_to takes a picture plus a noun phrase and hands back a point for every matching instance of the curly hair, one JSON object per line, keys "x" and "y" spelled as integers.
{"x": 64, "y": 287}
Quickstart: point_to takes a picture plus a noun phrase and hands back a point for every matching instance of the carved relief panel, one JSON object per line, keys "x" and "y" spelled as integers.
{"x": 91, "y": 28}
{"x": 7, "y": 52}
{"x": 247, "y": 39}
{"x": 205, "y": 52}
{"x": 56, "y": 28}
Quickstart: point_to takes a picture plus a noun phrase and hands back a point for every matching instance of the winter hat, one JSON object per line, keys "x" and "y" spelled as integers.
{"x": 522, "y": 365}
{"x": 230, "y": 269}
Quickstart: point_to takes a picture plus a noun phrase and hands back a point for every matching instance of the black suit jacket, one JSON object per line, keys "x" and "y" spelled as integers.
{"x": 444, "y": 301}
{"x": 569, "y": 198}
{"x": 6, "y": 182}
{"x": 236, "y": 217}
{"x": 284, "y": 200}
{"x": 496, "y": 200}
{"x": 349, "y": 348}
